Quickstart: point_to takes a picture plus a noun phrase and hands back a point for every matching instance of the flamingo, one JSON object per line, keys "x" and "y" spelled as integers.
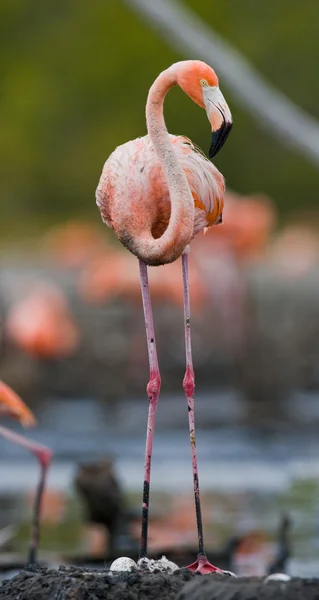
{"x": 12, "y": 405}
{"x": 41, "y": 323}
{"x": 73, "y": 243}
{"x": 156, "y": 192}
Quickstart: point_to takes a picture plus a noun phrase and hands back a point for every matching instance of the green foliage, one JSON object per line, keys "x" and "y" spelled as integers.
{"x": 74, "y": 80}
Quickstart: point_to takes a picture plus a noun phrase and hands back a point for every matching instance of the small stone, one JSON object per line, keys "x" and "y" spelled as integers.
{"x": 163, "y": 564}
{"x": 123, "y": 564}
{"x": 146, "y": 564}
{"x": 277, "y": 577}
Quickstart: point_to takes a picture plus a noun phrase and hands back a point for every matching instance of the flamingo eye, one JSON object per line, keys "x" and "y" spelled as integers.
{"x": 203, "y": 82}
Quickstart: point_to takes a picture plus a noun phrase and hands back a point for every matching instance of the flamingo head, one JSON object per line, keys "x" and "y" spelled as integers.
{"x": 200, "y": 83}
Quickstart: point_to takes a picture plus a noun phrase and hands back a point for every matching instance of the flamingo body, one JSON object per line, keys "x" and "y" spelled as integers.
{"x": 133, "y": 193}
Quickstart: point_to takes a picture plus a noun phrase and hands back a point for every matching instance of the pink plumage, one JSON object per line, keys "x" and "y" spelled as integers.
{"x": 133, "y": 193}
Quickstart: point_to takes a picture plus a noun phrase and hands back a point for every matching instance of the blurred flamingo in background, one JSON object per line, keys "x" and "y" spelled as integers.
{"x": 237, "y": 242}
{"x": 41, "y": 323}
{"x": 156, "y": 193}
{"x": 249, "y": 235}
{"x": 98, "y": 284}
{"x": 74, "y": 243}
{"x": 11, "y": 405}
{"x": 295, "y": 250}
{"x": 221, "y": 255}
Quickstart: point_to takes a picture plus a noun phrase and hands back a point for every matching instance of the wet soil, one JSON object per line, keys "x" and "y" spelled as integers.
{"x": 73, "y": 583}
{"x": 208, "y": 588}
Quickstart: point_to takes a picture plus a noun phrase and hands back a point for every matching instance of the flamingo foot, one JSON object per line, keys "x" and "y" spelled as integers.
{"x": 202, "y": 566}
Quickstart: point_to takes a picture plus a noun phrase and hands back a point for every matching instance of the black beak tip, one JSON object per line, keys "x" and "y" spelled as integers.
{"x": 212, "y": 149}
{"x": 219, "y": 137}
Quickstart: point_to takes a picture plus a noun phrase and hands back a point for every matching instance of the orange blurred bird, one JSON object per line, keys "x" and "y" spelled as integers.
{"x": 73, "y": 244}
{"x": 41, "y": 323}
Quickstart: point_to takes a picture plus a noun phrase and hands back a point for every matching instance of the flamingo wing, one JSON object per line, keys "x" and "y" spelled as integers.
{"x": 206, "y": 183}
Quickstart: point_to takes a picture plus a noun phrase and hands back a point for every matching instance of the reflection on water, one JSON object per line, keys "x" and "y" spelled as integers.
{"x": 248, "y": 475}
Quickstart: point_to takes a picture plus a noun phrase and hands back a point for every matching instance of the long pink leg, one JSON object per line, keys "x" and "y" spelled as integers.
{"x": 44, "y": 455}
{"x": 153, "y": 390}
{"x": 201, "y": 565}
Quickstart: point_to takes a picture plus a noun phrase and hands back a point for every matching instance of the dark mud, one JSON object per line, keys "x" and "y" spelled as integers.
{"x": 207, "y": 588}
{"x": 72, "y": 583}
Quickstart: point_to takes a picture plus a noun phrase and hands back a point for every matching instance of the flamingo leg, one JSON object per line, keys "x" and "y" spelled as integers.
{"x": 44, "y": 455}
{"x": 35, "y": 526}
{"x": 153, "y": 390}
{"x": 201, "y": 565}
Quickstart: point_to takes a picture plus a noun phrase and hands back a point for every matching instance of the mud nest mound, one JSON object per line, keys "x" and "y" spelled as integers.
{"x": 72, "y": 583}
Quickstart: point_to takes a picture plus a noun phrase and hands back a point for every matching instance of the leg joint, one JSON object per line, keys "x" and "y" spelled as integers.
{"x": 189, "y": 382}
{"x": 154, "y": 386}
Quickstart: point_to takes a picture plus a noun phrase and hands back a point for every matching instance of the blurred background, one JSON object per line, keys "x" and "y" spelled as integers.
{"x": 74, "y": 82}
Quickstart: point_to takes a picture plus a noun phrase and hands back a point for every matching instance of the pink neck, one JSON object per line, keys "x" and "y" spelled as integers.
{"x": 42, "y": 453}
{"x": 156, "y": 125}
{"x": 180, "y": 229}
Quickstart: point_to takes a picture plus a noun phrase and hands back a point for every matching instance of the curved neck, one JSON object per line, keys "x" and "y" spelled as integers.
{"x": 156, "y": 125}
{"x": 157, "y": 131}
{"x": 182, "y": 203}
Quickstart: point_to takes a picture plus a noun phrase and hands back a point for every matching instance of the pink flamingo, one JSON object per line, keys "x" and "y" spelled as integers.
{"x": 41, "y": 323}
{"x": 156, "y": 193}
{"x": 12, "y": 405}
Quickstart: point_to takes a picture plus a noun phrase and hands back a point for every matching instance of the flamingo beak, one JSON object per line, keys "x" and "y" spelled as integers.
{"x": 219, "y": 117}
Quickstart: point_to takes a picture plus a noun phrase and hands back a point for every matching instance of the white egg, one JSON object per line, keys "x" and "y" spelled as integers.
{"x": 123, "y": 564}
